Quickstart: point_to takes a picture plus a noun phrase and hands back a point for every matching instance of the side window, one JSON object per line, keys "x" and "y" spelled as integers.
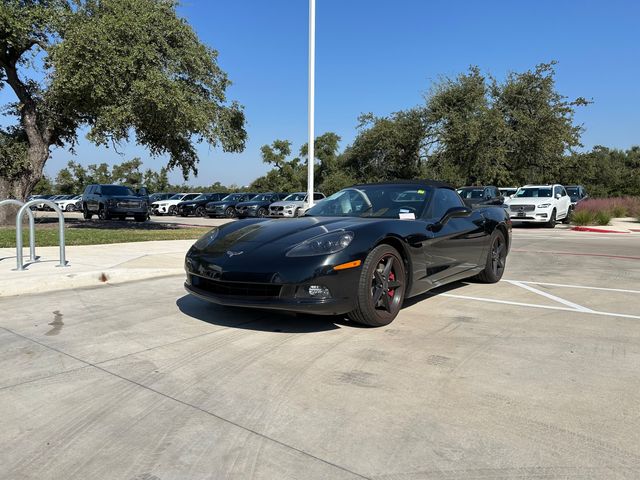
{"x": 556, "y": 191}
{"x": 87, "y": 189}
{"x": 496, "y": 192}
{"x": 96, "y": 190}
{"x": 318, "y": 196}
{"x": 563, "y": 192}
{"x": 443, "y": 200}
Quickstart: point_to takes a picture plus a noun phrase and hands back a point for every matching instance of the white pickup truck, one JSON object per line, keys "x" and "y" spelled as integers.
{"x": 540, "y": 204}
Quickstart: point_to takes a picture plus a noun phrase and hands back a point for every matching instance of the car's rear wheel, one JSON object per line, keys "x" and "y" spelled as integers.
{"x": 381, "y": 288}
{"x": 496, "y": 259}
{"x": 230, "y": 212}
{"x": 86, "y": 214}
{"x": 201, "y": 212}
{"x": 566, "y": 220}
{"x": 552, "y": 220}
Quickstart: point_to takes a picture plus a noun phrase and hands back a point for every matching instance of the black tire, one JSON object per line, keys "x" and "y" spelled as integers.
{"x": 381, "y": 288}
{"x": 86, "y": 214}
{"x": 230, "y": 212}
{"x": 103, "y": 214}
{"x": 70, "y": 208}
{"x": 172, "y": 210}
{"x": 552, "y": 220}
{"x": 496, "y": 259}
{"x": 140, "y": 218}
{"x": 297, "y": 212}
{"x": 566, "y": 220}
{"x": 201, "y": 212}
{"x": 262, "y": 212}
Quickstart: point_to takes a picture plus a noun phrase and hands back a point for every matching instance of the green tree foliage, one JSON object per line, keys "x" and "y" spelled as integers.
{"x": 512, "y": 132}
{"x": 287, "y": 175}
{"x": 604, "y": 172}
{"x": 388, "y": 148}
{"x": 120, "y": 68}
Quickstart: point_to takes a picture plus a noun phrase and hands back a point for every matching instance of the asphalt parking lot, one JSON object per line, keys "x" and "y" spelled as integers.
{"x": 536, "y": 377}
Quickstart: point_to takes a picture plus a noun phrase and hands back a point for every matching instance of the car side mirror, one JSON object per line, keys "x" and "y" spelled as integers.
{"x": 453, "y": 212}
{"x": 558, "y": 196}
{"x": 143, "y": 192}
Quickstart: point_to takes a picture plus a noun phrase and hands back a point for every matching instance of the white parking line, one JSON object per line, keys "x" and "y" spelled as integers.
{"x": 574, "y": 306}
{"x": 575, "y": 286}
{"x": 533, "y": 305}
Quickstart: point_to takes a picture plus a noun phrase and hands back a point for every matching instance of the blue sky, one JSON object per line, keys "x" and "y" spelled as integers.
{"x": 382, "y": 56}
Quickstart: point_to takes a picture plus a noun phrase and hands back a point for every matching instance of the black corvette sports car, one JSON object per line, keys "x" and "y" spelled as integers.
{"x": 360, "y": 252}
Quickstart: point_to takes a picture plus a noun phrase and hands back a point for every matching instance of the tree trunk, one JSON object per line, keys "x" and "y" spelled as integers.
{"x": 21, "y": 187}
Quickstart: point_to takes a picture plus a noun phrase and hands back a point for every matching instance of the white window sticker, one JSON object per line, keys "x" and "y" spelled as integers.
{"x": 407, "y": 216}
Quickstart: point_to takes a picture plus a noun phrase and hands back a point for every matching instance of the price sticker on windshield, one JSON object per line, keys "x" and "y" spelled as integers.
{"x": 407, "y": 216}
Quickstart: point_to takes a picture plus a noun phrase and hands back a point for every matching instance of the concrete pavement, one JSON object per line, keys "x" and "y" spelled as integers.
{"x": 535, "y": 377}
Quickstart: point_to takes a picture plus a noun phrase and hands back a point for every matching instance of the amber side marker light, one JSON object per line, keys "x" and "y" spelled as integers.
{"x": 344, "y": 266}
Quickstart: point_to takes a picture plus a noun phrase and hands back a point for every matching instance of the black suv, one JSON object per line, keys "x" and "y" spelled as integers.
{"x": 258, "y": 206}
{"x": 227, "y": 206}
{"x": 577, "y": 193}
{"x": 196, "y": 206}
{"x": 115, "y": 201}
{"x": 488, "y": 195}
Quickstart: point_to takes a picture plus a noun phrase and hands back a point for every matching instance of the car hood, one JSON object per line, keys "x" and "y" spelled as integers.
{"x": 249, "y": 204}
{"x": 283, "y": 232}
{"x": 125, "y": 197}
{"x": 297, "y": 203}
{"x": 530, "y": 200}
{"x": 221, "y": 203}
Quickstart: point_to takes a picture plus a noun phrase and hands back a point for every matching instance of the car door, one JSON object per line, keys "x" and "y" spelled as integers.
{"x": 563, "y": 201}
{"x": 458, "y": 245}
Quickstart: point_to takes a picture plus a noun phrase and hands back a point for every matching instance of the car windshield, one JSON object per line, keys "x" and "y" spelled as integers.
{"x": 265, "y": 197}
{"x": 234, "y": 197}
{"x": 202, "y": 197}
{"x": 471, "y": 192}
{"x": 296, "y": 197}
{"x": 178, "y": 196}
{"x": 533, "y": 192}
{"x": 573, "y": 192}
{"x": 380, "y": 201}
{"x": 116, "y": 190}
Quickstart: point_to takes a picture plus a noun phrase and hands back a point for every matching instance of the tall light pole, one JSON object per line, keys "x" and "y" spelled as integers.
{"x": 312, "y": 68}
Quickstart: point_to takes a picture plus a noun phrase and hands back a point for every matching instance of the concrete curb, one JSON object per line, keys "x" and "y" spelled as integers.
{"x": 108, "y": 276}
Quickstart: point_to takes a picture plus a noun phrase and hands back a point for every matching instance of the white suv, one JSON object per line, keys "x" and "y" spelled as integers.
{"x": 169, "y": 206}
{"x": 540, "y": 204}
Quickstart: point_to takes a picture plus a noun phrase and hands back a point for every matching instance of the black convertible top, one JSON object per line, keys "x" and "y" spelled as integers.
{"x": 421, "y": 182}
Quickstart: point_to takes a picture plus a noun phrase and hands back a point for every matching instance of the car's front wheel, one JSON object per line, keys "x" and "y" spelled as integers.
{"x": 86, "y": 213}
{"x": 201, "y": 212}
{"x": 70, "y": 208}
{"x": 552, "y": 220}
{"x": 172, "y": 210}
{"x": 230, "y": 212}
{"x": 381, "y": 288}
{"x": 566, "y": 220}
{"x": 262, "y": 212}
{"x": 103, "y": 214}
{"x": 496, "y": 259}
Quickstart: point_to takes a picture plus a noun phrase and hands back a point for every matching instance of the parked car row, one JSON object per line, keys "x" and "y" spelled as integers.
{"x": 234, "y": 205}
{"x": 546, "y": 204}
{"x": 66, "y": 203}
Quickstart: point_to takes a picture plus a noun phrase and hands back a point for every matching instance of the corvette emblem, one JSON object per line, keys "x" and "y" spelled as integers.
{"x": 233, "y": 254}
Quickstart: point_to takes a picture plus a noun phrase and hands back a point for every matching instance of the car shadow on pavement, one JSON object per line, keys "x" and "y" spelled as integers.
{"x": 435, "y": 292}
{"x": 259, "y": 320}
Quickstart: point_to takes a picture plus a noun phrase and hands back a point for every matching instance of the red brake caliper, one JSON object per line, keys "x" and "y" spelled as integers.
{"x": 391, "y": 291}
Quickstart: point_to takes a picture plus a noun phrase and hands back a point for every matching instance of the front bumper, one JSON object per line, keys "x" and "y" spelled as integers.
{"x": 532, "y": 217}
{"x": 186, "y": 211}
{"x": 159, "y": 209}
{"x": 127, "y": 211}
{"x": 289, "y": 295}
{"x": 285, "y": 212}
{"x": 243, "y": 212}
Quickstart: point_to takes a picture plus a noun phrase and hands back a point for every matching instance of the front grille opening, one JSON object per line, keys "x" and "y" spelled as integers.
{"x": 236, "y": 289}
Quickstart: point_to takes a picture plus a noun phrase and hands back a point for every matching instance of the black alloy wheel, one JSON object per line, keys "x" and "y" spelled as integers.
{"x": 262, "y": 212}
{"x": 86, "y": 214}
{"x": 201, "y": 212}
{"x": 496, "y": 259}
{"x": 172, "y": 210}
{"x": 70, "y": 208}
{"x": 381, "y": 288}
{"x": 103, "y": 214}
{"x": 230, "y": 212}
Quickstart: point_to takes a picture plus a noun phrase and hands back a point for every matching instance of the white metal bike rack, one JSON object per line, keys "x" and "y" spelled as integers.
{"x": 32, "y": 227}
{"x": 25, "y": 207}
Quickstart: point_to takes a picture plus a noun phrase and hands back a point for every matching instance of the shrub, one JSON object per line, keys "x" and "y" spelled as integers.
{"x": 602, "y": 217}
{"x": 583, "y": 217}
{"x": 618, "y": 211}
{"x": 617, "y": 207}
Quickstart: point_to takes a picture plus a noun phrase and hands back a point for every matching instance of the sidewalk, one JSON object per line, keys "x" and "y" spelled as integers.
{"x": 616, "y": 225}
{"x": 90, "y": 265}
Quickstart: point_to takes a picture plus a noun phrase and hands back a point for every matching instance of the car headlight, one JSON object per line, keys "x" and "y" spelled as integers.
{"x": 544, "y": 205}
{"x": 289, "y": 206}
{"x": 205, "y": 240}
{"x": 324, "y": 244}
{"x": 252, "y": 207}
